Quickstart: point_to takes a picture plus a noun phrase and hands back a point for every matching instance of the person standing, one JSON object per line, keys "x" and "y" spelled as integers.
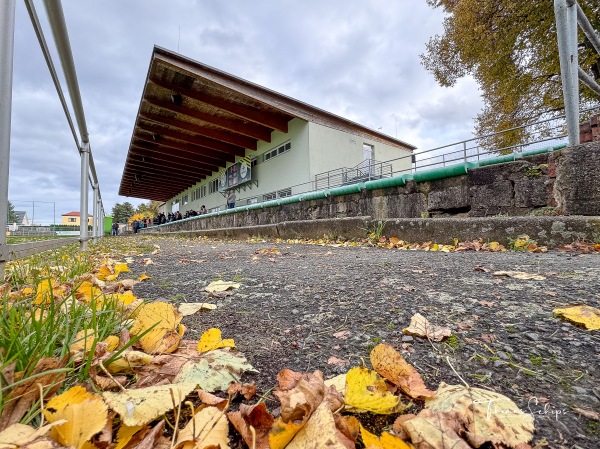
{"x": 115, "y": 228}
{"x": 230, "y": 199}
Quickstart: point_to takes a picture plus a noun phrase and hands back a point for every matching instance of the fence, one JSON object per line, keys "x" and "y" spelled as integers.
{"x": 88, "y": 171}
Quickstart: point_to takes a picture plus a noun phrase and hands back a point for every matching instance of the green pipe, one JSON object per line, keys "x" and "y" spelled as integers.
{"x": 272, "y": 203}
{"x": 442, "y": 172}
{"x": 290, "y": 199}
{"x": 497, "y": 160}
{"x": 387, "y": 182}
{"x": 347, "y": 190}
{"x": 315, "y": 195}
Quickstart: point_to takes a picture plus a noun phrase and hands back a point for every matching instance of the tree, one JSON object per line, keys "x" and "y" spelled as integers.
{"x": 149, "y": 209}
{"x": 11, "y": 215}
{"x": 122, "y": 212}
{"x": 510, "y": 48}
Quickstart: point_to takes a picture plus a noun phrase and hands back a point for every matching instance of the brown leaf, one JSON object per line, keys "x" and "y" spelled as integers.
{"x": 421, "y": 327}
{"x": 489, "y": 304}
{"x": 257, "y": 417}
{"x": 392, "y": 366}
{"x": 342, "y": 335}
{"x": 333, "y": 360}
{"x": 211, "y": 399}
{"x": 480, "y": 268}
{"x": 300, "y": 398}
{"x": 586, "y": 412}
{"x": 151, "y": 438}
{"x": 434, "y": 430}
{"x": 21, "y": 398}
{"x": 488, "y": 338}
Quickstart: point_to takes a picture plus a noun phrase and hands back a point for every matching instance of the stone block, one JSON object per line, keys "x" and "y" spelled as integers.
{"x": 531, "y": 192}
{"x": 577, "y": 186}
{"x": 491, "y": 197}
{"x": 450, "y": 198}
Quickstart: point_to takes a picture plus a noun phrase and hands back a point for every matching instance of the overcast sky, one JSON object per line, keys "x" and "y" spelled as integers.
{"x": 355, "y": 58}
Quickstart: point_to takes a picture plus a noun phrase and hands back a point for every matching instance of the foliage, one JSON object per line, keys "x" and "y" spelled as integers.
{"x": 149, "y": 209}
{"x": 510, "y": 48}
{"x": 11, "y": 215}
{"x": 122, "y": 212}
{"x": 136, "y": 216}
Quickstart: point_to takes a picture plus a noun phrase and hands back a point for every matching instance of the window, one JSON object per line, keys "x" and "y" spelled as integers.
{"x": 213, "y": 186}
{"x": 269, "y": 196}
{"x": 200, "y": 192}
{"x": 252, "y": 200}
{"x": 203, "y": 191}
{"x": 72, "y": 220}
{"x": 277, "y": 151}
{"x": 214, "y": 209}
{"x": 184, "y": 200}
{"x": 253, "y": 162}
{"x": 285, "y": 192}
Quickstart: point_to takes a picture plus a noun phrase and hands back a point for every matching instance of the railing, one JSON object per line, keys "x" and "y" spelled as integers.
{"x": 88, "y": 171}
{"x": 365, "y": 171}
{"x": 568, "y": 15}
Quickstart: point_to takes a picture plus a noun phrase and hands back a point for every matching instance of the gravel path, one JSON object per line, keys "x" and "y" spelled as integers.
{"x": 308, "y": 307}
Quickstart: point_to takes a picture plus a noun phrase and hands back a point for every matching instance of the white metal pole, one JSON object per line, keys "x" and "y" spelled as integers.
{"x": 565, "y": 12}
{"x": 95, "y": 214}
{"x": 7, "y": 40}
{"x": 83, "y": 197}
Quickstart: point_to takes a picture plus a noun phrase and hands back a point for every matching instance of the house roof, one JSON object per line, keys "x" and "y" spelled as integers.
{"x": 73, "y": 214}
{"x": 193, "y": 119}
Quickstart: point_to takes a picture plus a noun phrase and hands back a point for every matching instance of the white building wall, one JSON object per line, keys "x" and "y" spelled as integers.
{"x": 278, "y": 173}
{"x": 331, "y": 149}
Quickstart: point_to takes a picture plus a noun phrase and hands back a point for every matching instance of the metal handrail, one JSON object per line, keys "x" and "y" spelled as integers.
{"x": 57, "y": 23}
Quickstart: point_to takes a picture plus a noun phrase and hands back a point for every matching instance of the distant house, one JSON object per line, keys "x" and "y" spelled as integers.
{"x": 22, "y": 219}
{"x": 72, "y": 219}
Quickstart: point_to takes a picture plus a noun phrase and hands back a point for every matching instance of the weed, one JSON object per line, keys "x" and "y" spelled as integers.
{"x": 546, "y": 211}
{"x": 425, "y": 215}
{"x": 453, "y": 342}
{"x": 535, "y": 360}
{"x": 177, "y": 297}
{"x": 483, "y": 378}
{"x": 375, "y": 231}
{"x": 376, "y": 340}
{"x": 237, "y": 278}
{"x": 390, "y": 325}
{"x": 520, "y": 243}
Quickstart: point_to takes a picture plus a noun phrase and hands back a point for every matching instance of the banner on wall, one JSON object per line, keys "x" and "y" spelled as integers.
{"x": 238, "y": 173}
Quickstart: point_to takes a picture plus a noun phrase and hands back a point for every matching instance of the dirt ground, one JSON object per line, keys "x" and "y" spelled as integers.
{"x": 308, "y": 307}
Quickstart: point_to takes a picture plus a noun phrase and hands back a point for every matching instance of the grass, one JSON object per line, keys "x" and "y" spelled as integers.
{"x": 42, "y": 318}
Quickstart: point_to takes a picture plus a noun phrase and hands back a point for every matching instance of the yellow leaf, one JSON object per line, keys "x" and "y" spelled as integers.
{"x": 144, "y": 276}
{"x": 85, "y": 413}
{"x": 221, "y": 286}
{"x": 111, "y": 277}
{"x": 208, "y": 428}
{"x": 44, "y": 291}
{"x": 367, "y": 391}
{"x": 586, "y": 315}
{"x": 143, "y": 405}
{"x": 129, "y": 360}
{"x": 17, "y": 435}
{"x": 387, "y": 440}
{"x": 520, "y": 275}
{"x": 125, "y": 434}
{"x": 211, "y": 340}
{"x": 126, "y": 298}
{"x": 282, "y": 433}
{"x": 84, "y": 341}
{"x": 103, "y": 271}
{"x": 191, "y": 308}
{"x": 112, "y": 341}
{"x": 121, "y": 268}
{"x": 159, "y": 320}
{"x": 486, "y": 415}
{"x": 87, "y": 292}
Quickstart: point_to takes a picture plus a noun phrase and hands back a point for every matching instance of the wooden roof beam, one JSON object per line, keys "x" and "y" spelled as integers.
{"x": 236, "y": 124}
{"x": 167, "y": 172}
{"x": 189, "y": 149}
{"x": 167, "y": 160}
{"x": 152, "y": 162}
{"x": 213, "y": 133}
{"x": 205, "y": 142}
{"x": 265, "y": 118}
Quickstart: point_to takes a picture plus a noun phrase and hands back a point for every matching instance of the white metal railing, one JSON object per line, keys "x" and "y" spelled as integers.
{"x": 88, "y": 171}
{"x": 568, "y": 15}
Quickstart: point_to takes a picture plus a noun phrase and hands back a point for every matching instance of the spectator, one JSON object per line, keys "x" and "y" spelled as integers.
{"x": 202, "y": 210}
{"x": 231, "y": 199}
{"x": 163, "y": 218}
{"x": 135, "y": 224}
{"x": 115, "y": 228}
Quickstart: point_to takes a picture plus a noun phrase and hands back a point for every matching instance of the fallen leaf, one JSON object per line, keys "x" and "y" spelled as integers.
{"x": 587, "y": 413}
{"x": 129, "y": 360}
{"x": 386, "y": 441}
{"x": 319, "y": 432}
{"x": 256, "y": 417}
{"x": 333, "y": 360}
{"x": 143, "y": 277}
{"x": 208, "y": 428}
{"x": 486, "y": 415}
{"x": 392, "y": 366}
{"x": 156, "y": 324}
{"x": 434, "y": 430}
{"x": 366, "y": 391}
{"x": 191, "y": 308}
{"x": 586, "y": 315}
{"x": 520, "y": 275}
{"x": 143, "y": 405}
{"x": 19, "y": 434}
{"x": 211, "y": 340}
{"x": 125, "y": 435}
{"x": 488, "y": 338}
{"x": 489, "y": 304}
{"x": 420, "y": 327}
{"x": 221, "y": 286}
{"x": 342, "y": 335}
{"x": 549, "y": 293}
{"x": 85, "y": 413}
{"x": 480, "y": 268}
{"x": 338, "y": 382}
{"x": 214, "y": 371}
